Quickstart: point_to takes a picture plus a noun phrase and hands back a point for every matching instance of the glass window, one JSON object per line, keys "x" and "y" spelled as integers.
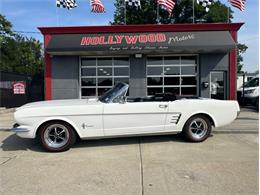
{"x": 171, "y": 74}
{"x": 172, "y": 60}
{"x": 153, "y": 91}
{"x": 189, "y": 91}
{"x": 172, "y": 90}
{"x": 88, "y": 92}
{"x": 154, "y": 81}
{"x": 121, "y": 61}
{"x": 104, "y": 61}
{"x": 101, "y": 91}
{"x": 121, "y": 71}
{"x": 154, "y": 60}
{"x": 118, "y": 80}
{"x": 171, "y": 80}
{"x": 104, "y": 81}
{"x": 88, "y": 62}
{"x": 88, "y": 71}
{"x": 172, "y": 70}
{"x": 88, "y": 82}
{"x": 188, "y": 70}
{"x": 104, "y": 71}
{"x": 96, "y": 79}
{"x": 188, "y": 60}
{"x": 154, "y": 70}
{"x": 189, "y": 81}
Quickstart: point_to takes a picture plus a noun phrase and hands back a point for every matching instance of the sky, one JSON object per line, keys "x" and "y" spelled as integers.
{"x": 27, "y": 15}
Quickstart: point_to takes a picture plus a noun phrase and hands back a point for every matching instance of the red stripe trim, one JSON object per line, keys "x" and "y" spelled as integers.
{"x": 233, "y": 69}
{"x": 47, "y": 75}
{"x": 142, "y": 28}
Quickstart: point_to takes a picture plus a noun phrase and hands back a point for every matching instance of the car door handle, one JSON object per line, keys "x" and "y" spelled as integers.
{"x": 163, "y": 106}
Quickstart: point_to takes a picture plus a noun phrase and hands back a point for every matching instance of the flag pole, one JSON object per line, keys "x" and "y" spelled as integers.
{"x": 193, "y": 11}
{"x": 158, "y": 13}
{"x": 228, "y": 10}
{"x": 125, "y": 11}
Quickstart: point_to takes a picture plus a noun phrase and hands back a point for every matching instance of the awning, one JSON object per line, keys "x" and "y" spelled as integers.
{"x": 128, "y": 43}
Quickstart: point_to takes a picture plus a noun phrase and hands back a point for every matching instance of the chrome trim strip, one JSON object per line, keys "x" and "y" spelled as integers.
{"x": 16, "y": 130}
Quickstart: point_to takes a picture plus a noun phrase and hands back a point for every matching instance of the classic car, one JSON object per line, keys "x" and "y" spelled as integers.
{"x": 57, "y": 123}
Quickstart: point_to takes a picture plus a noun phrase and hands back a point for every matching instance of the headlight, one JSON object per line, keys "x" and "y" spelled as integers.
{"x": 249, "y": 91}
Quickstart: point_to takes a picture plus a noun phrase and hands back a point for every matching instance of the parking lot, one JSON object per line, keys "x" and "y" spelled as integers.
{"x": 226, "y": 163}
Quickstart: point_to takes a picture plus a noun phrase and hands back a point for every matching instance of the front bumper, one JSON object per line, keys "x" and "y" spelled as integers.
{"x": 22, "y": 131}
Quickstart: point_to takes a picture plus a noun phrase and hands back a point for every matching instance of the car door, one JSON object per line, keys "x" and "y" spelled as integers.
{"x": 134, "y": 118}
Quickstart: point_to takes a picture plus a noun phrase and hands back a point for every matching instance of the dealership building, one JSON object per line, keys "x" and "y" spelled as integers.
{"x": 182, "y": 59}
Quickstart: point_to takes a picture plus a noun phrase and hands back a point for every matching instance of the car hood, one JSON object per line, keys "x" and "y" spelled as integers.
{"x": 55, "y": 103}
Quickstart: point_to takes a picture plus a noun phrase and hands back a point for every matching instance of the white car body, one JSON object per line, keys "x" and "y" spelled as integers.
{"x": 93, "y": 119}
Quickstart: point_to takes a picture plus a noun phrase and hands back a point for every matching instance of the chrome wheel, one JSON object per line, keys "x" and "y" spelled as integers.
{"x": 56, "y": 135}
{"x": 198, "y": 128}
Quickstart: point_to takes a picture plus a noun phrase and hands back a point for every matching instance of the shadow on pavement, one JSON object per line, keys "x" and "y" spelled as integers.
{"x": 129, "y": 140}
{"x": 15, "y": 143}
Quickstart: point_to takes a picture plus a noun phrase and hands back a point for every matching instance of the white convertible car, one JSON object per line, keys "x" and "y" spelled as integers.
{"x": 58, "y": 123}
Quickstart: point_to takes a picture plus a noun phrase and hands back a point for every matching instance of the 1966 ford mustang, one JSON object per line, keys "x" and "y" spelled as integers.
{"x": 58, "y": 123}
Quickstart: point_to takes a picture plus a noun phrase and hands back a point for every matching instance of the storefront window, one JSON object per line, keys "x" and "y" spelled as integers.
{"x": 100, "y": 74}
{"x": 172, "y": 74}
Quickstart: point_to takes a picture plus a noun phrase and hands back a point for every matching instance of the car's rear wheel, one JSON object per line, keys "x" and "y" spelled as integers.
{"x": 56, "y": 136}
{"x": 197, "y": 128}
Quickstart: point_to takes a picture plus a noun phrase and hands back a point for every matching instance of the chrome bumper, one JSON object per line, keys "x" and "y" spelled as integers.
{"x": 17, "y": 128}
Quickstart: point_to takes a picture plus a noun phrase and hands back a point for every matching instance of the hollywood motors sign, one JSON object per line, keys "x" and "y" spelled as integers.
{"x": 123, "y": 39}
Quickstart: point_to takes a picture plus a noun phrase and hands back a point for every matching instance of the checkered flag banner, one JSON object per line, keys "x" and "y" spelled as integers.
{"x": 133, "y": 3}
{"x": 69, "y": 4}
{"x": 205, "y": 3}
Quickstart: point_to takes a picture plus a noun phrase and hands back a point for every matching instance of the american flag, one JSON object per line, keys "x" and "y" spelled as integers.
{"x": 69, "y": 4}
{"x": 97, "y": 6}
{"x": 168, "y": 4}
{"x": 240, "y": 4}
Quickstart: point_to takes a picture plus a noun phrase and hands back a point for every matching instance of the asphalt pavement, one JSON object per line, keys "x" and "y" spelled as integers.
{"x": 226, "y": 163}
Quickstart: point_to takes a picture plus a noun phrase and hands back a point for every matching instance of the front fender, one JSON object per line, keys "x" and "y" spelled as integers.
{"x": 56, "y": 118}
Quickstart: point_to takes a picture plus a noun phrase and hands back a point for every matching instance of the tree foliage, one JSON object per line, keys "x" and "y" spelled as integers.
{"x": 182, "y": 13}
{"x": 241, "y": 49}
{"x": 18, "y": 53}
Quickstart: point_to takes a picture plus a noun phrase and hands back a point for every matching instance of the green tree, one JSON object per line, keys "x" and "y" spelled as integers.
{"x": 18, "y": 53}
{"x": 182, "y": 13}
{"x": 241, "y": 49}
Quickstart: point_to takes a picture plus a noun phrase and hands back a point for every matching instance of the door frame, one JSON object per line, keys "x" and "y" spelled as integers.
{"x": 225, "y": 81}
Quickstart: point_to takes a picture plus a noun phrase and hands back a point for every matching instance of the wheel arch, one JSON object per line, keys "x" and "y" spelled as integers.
{"x": 68, "y": 122}
{"x": 209, "y": 116}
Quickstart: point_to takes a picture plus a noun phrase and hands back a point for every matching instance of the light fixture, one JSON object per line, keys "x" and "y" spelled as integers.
{"x": 138, "y": 55}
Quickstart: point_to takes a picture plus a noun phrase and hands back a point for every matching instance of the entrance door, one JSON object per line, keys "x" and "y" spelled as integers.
{"x": 218, "y": 85}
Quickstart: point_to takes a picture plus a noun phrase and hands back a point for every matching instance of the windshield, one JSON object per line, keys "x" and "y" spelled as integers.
{"x": 114, "y": 94}
{"x": 252, "y": 83}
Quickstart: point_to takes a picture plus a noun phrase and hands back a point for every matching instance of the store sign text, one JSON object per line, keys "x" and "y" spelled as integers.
{"x": 121, "y": 39}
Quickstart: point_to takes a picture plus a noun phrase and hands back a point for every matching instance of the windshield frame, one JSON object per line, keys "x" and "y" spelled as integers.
{"x": 117, "y": 92}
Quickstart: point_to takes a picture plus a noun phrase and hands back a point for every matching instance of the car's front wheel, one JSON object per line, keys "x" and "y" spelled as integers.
{"x": 197, "y": 128}
{"x": 56, "y": 136}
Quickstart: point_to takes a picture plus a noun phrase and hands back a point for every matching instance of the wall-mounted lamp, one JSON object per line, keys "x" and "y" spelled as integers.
{"x": 138, "y": 55}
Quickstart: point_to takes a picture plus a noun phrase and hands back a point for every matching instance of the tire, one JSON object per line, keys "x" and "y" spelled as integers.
{"x": 57, "y": 136}
{"x": 197, "y": 128}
